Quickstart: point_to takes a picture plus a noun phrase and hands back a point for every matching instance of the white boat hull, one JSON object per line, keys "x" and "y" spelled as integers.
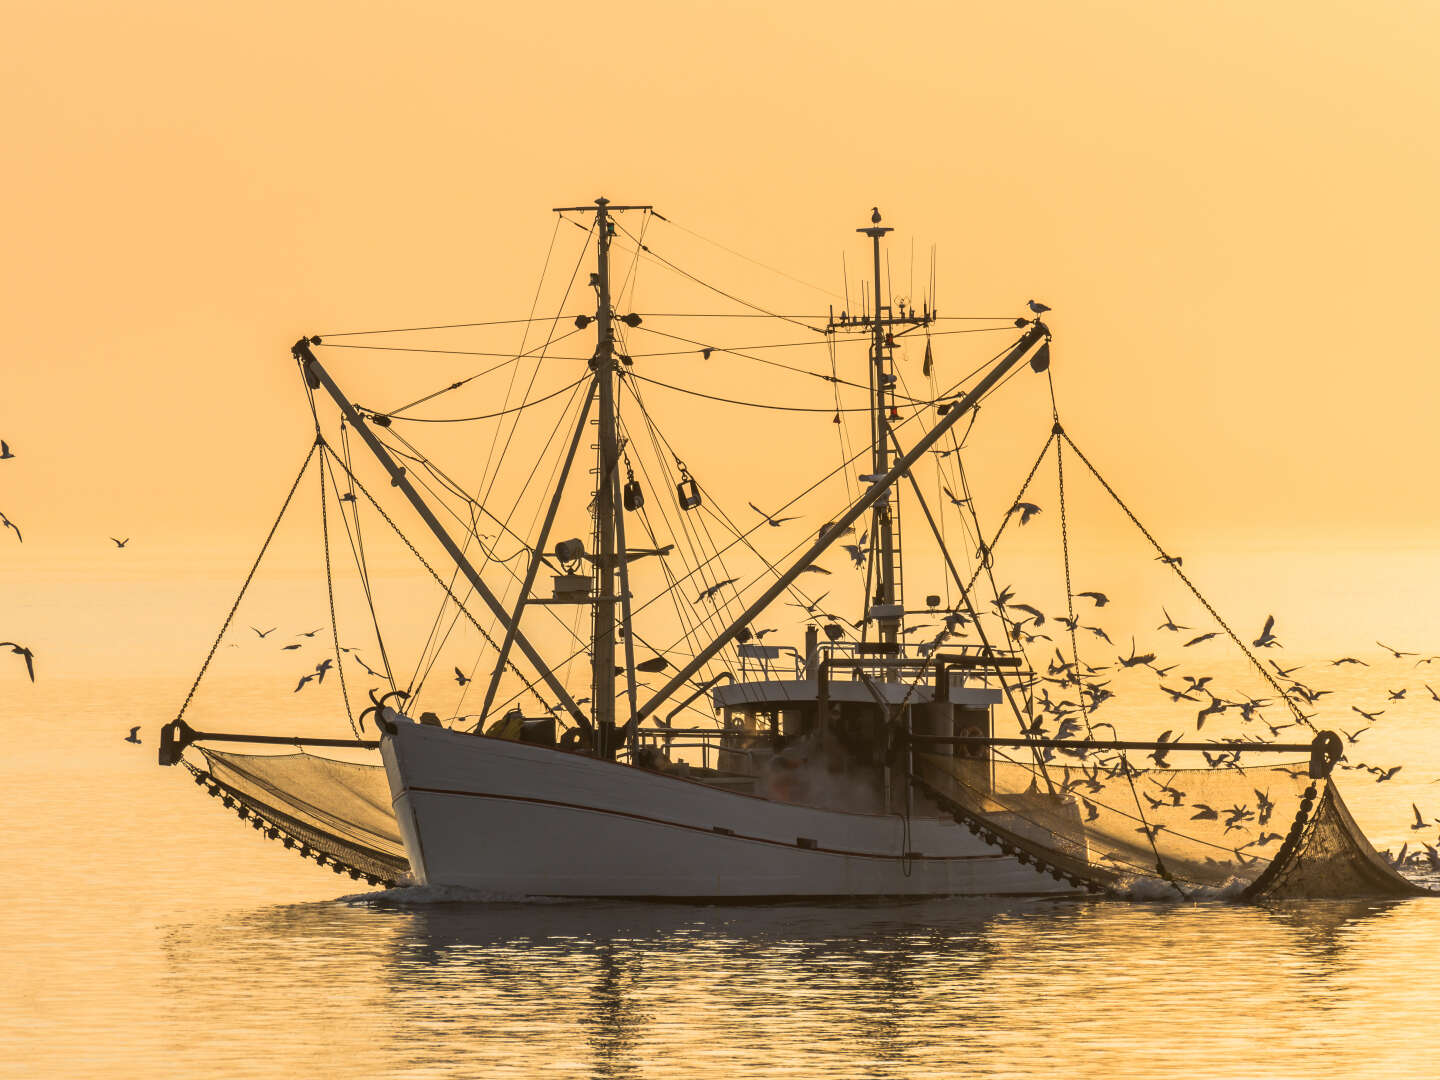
{"x": 513, "y": 819}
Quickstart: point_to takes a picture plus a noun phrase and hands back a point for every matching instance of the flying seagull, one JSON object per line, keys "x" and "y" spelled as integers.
{"x": 21, "y": 650}
{"x": 6, "y": 523}
{"x": 709, "y": 594}
{"x": 120, "y": 543}
{"x": 774, "y": 522}
{"x": 460, "y": 676}
{"x": 1399, "y": 655}
{"x": 1026, "y": 511}
{"x": 367, "y": 667}
{"x": 1099, "y": 597}
{"x": 5, "y": 453}
{"x": 134, "y": 735}
{"x": 1169, "y": 623}
{"x": 1266, "y": 639}
{"x": 261, "y": 633}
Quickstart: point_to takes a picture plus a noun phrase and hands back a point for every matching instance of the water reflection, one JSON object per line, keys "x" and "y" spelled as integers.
{"x": 884, "y": 991}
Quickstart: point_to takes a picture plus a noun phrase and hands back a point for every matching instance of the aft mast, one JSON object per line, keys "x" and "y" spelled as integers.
{"x": 885, "y": 605}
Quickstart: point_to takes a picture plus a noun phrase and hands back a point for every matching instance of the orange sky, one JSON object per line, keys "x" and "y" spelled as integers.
{"x": 1230, "y": 207}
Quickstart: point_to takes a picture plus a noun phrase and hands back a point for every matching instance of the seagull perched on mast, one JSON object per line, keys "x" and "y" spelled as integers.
{"x": 874, "y": 215}
{"x": 1037, "y": 307}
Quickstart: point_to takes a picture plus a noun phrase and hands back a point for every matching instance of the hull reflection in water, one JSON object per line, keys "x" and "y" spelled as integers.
{"x": 926, "y": 987}
{"x": 511, "y": 819}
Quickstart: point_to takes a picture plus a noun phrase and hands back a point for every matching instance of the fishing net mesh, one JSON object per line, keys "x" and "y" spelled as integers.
{"x": 1266, "y": 831}
{"x": 335, "y": 811}
{"x": 1259, "y": 831}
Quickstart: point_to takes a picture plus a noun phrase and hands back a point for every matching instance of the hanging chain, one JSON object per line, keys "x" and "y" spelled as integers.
{"x": 1165, "y": 556}
{"x": 248, "y": 578}
{"x": 986, "y": 552}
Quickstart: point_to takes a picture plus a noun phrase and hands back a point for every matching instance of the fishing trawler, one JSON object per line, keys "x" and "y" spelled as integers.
{"x": 855, "y": 762}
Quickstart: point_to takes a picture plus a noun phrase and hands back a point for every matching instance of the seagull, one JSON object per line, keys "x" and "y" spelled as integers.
{"x": 287, "y": 648}
{"x": 1198, "y": 684}
{"x": 1037, "y": 307}
{"x": 874, "y": 215}
{"x": 857, "y": 552}
{"x": 21, "y": 650}
{"x": 1371, "y": 716}
{"x": 460, "y": 676}
{"x": 1026, "y": 511}
{"x": 774, "y": 522}
{"x": 1381, "y": 775}
{"x": 134, "y": 735}
{"x": 1091, "y": 810}
{"x": 1434, "y": 696}
{"x": 813, "y": 569}
{"x": 303, "y": 680}
{"x": 1202, "y": 637}
{"x": 322, "y": 667}
{"x": 810, "y": 608}
{"x": 1397, "y": 695}
{"x": 1099, "y": 597}
{"x": 1170, "y": 560}
{"x": 1169, "y": 623}
{"x": 1215, "y": 708}
{"x": 120, "y": 543}
{"x": 1348, "y": 660}
{"x": 654, "y": 664}
{"x": 6, "y": 523}
{"x": 1263, "y": 805}
{"x": 310, "y": 633}
{"x": 367, "y": 667}
{"x": 262, "y": 633}
{"x": 953, "y": 497}
{"x": 1159, "y": 752}
{"x": 1398, "y": 654}
{"x": 349, "y": 496}
{"x": 1266, "y": 638}
{"x": 1285, "y": 673}
{"x": 1034, "y": 612}
{"x": 1098, "y": 632}
{"x": 709, "y": 594}
{"x": 1420, "y": 822}
{"x": 1135, "y": 659}
{"x": 5, "y": 453}
{"x": 1177, "y": 695}
{"x": 1207, "y": 813}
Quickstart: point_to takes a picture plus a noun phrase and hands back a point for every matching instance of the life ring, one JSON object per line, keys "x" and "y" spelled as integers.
{"x": 970, "y": 750}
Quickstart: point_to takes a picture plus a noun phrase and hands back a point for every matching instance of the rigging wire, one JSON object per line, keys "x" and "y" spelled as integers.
{"x": 713, "y": 288}
{"x": 244, "y": 587}
{"x": 357, "y": 549}
{"x": 747, "y": 258}
{"x": 330, "y": 594}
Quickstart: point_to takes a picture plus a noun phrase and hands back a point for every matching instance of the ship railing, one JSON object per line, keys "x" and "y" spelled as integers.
{"x": 707, "y": 739}
{"x": 859, "y": 661}
{"x": 760, "y": 662}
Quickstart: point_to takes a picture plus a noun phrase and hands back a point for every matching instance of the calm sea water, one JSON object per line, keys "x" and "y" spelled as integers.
{"x": 149, "y": 934}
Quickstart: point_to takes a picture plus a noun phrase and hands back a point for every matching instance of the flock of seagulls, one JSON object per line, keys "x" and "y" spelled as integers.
{"x": 6, "y": 454}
